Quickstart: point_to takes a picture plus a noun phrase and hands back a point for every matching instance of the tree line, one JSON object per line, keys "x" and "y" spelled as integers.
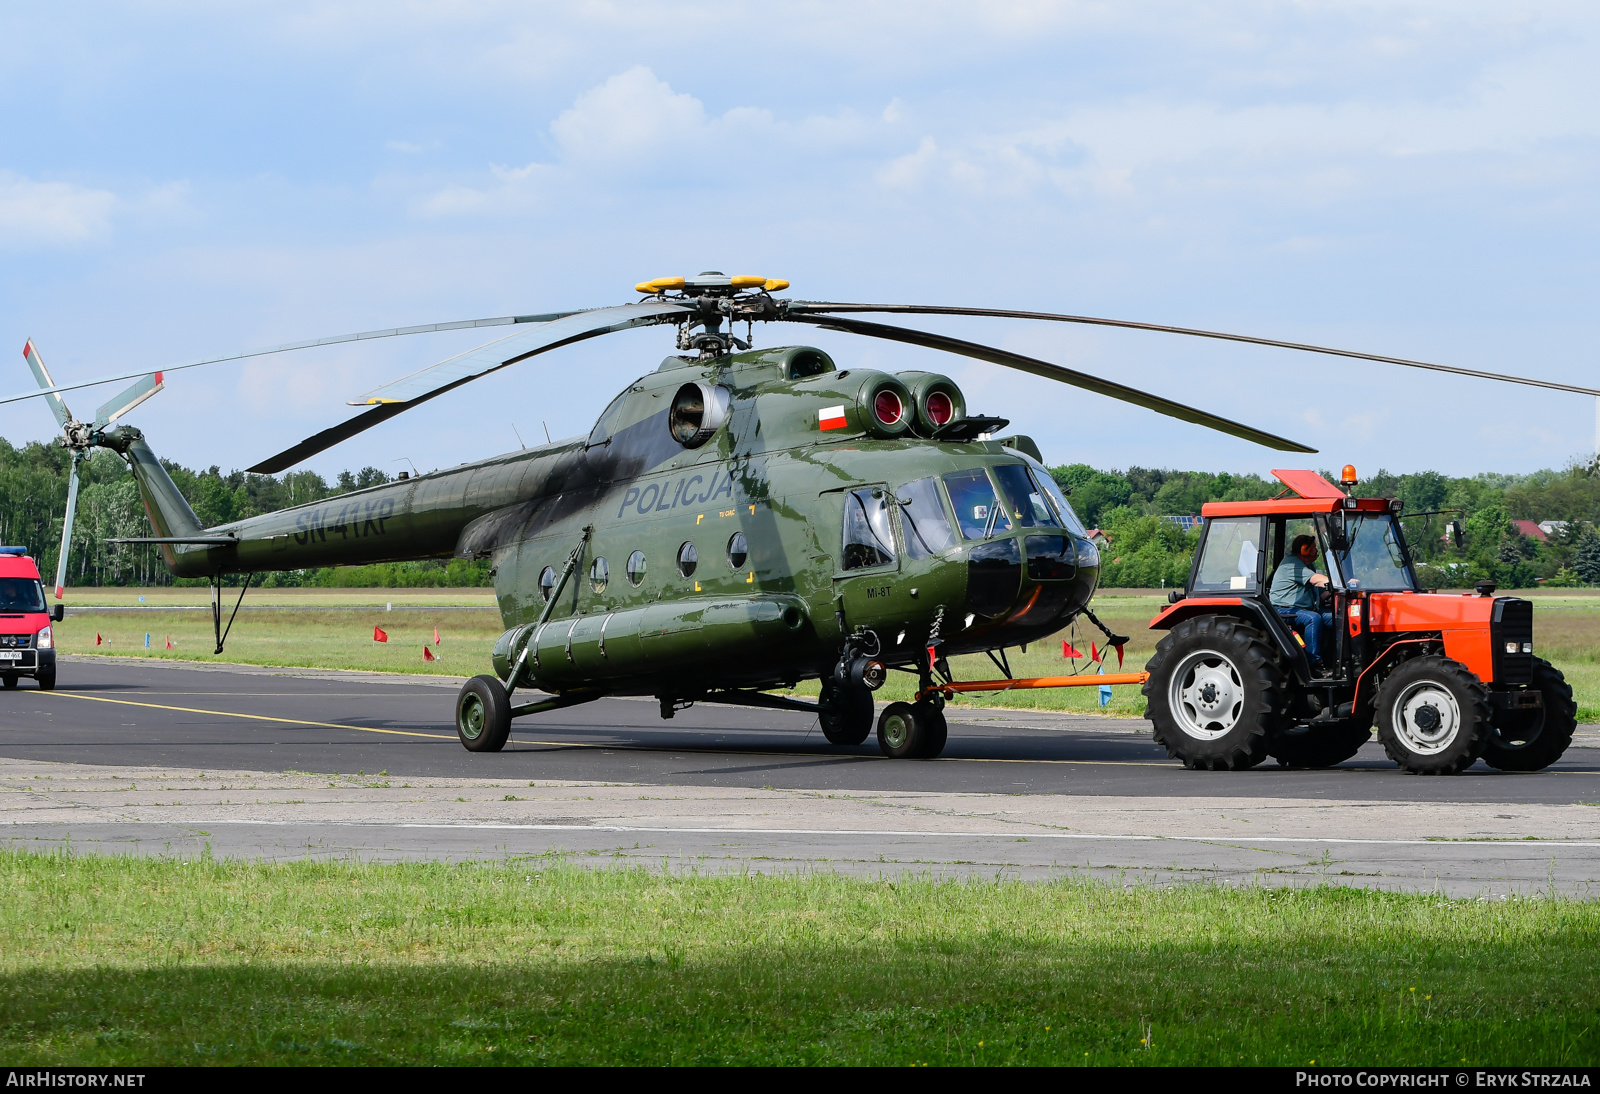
{"x": 1146, "y": 550}
{"x": 1129, "y": 506}
{"x": 33, "y": 503}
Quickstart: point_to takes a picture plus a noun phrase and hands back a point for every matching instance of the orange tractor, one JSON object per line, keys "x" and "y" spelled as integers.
{"x": 1448, "y": 678}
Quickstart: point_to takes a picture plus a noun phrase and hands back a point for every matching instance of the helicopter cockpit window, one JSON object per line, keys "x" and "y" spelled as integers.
{"x": 1069, "y": 516}
{"x": 1027, "y": 502}
{"x": 922, "y": 517}
{"x": 636, "y": 568}
{"x": 868, "y": 535}
{"x": 547, "y": 582}
{"x": 978, "y": 511}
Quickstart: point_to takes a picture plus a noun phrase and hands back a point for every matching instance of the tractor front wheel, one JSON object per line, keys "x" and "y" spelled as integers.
{"x": 1214, "y": 694}
{"x": 1532, "y": 740}
{"x": 1433, "y": 716}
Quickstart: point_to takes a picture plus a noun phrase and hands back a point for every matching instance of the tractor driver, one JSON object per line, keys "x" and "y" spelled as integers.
{"x": 1294, "y": 594}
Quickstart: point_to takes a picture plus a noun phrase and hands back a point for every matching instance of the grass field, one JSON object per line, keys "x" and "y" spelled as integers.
{"x": 307, "y": 632}
{"x": 148, "y": 961}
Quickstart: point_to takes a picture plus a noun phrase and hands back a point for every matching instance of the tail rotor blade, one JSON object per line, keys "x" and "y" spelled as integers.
{"x": 58, "y": 406}
{"x": 116, "y": 407}
{"x": 66, "y": 526}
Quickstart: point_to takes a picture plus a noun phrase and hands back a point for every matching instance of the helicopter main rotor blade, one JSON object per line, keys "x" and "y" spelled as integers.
{"x": 1050, "y": 372}
{"x": 822, "y": 307}
{"x": 52, "y": 390}
{"x": 435, "y": 380}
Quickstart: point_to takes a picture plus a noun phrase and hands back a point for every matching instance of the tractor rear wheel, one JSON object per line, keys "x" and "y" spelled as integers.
{"x": 483, "y": 714}
{"x": 846, "y": 714}
{"x": 1320, "y": 746}
{"x": 1214, "y": 694}
{"x": 1532, "y": 740}
{"x": 1433, "y": 716}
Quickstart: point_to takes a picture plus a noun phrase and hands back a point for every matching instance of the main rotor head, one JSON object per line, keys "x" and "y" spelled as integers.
{"x": 712, "y": 296}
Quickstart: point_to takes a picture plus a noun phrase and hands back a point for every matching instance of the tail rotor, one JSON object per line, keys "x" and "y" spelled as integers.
{"x": 78, "y": 437}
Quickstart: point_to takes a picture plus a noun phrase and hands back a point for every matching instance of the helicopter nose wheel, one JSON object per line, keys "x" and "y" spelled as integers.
{"x": 483, "y": 714}
{"x": 912, "y": 731}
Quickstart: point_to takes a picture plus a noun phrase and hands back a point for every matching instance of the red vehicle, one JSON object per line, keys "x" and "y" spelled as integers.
{"x": 1448, "y": 678}
{"x": 27, "y": 643}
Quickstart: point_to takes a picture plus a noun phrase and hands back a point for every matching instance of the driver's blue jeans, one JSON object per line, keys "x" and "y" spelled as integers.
{"x": 1313, "y": 624}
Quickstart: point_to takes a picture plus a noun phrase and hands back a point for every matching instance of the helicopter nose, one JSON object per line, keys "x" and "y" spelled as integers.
{"x": 1032, "y": 579}
{"x": 994, "y": 577}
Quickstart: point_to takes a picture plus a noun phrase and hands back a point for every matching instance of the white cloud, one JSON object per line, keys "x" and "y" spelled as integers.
{"x": 51, "y": 213}
{"x": 631, "y": 115}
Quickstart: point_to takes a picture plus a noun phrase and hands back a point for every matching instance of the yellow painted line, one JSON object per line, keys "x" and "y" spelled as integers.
{"x": 252, "y": 717}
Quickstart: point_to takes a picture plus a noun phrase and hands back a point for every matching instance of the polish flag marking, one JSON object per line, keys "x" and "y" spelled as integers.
{"x": 831, "y": 417}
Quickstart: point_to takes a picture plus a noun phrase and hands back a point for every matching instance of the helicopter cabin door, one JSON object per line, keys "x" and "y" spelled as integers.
{"x": 868, "y": 560}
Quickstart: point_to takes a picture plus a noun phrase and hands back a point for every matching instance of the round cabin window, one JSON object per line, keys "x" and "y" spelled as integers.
{"x": 738, "y": 551}
{"x": 599, "y": 574}
{"x": 688, "y": 559}
{"x": 636, "y": 568}
{"x": 547, "y": 582}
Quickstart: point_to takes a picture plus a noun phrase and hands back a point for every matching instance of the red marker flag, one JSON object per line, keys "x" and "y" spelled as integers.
{"x": 170, "y": 646}
{"x": 97, "y": 638}
{"x": 1094, "y": 654}
{"x": 435, "y": 636}
{"x": 1119, "y": 656}
{"x": 1069, "y": 650}
{"x": 427, "y": 654}
{"x": 378, "y": 635}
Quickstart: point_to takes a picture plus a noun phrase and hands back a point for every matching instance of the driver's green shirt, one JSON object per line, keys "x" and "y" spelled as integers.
{"x": 1291, "y": 586}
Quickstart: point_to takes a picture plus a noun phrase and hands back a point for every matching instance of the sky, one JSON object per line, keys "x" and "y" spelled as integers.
{"x": 179, "y": 180}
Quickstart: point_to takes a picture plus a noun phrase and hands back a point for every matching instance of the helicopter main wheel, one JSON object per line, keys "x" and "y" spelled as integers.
{"x": 845, "y": 713}
{"x": 483, "y": 714}
{"x": 912, "y": 731}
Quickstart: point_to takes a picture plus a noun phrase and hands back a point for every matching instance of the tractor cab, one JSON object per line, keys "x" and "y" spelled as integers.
{"x": 1247, "y": 555}
{"x": 1302, "y": 625}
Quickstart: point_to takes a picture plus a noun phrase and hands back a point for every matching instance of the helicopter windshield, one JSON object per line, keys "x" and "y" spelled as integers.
{"x": 1373, "y": 559}
{"x": 1027, "y": 502}
{"x": 978, "y": 511}
{"x": 1069, "y": 516}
